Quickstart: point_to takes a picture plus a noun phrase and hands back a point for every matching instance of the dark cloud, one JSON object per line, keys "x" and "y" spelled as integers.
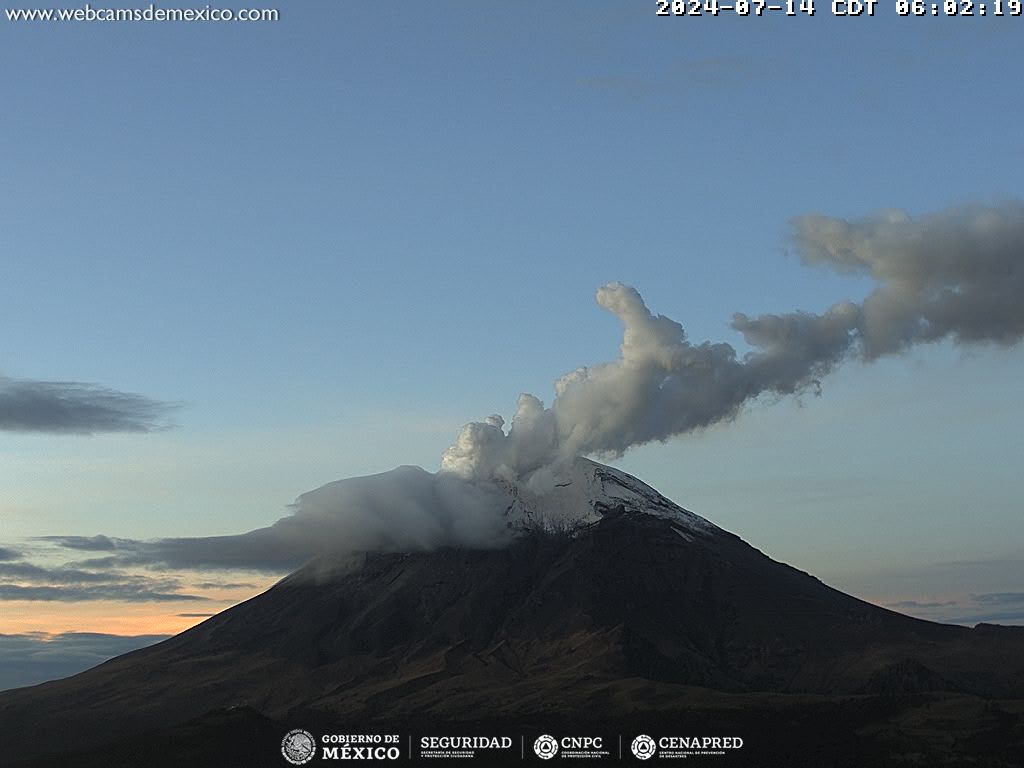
{"x": 7, "y": 555}
{"x": 29, "y": 581}
{"x": 131, "y": 593}
{"x": 40, "y": 575}
{"x": 958, "y": 591}
{"x": 224, "y": 585}
{"x": 98, "y": 543}
{"x": 917, "y": 604}
{"x": 259, "y": 550}
{"x": 95, "y": 563}
{"x": 998, "y": 617}
{"x": 70, "y": 407}
{"x": 1000, "y": 598}
{"x": 29, "y": 659}
{"x": 989, "y": 607}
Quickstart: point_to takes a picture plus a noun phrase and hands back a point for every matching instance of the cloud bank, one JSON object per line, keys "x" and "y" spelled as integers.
{"x": 992, "y": 607}
{"x": 71, "y": 407}
{"x": 29, "y": 581}
{"x": 406, "y": 508}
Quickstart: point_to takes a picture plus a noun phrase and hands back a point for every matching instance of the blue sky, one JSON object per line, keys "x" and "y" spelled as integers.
{"x": 336, "y": 238}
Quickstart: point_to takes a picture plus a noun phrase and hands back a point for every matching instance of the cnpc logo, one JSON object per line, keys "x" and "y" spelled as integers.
{"x": 547, "y": 746}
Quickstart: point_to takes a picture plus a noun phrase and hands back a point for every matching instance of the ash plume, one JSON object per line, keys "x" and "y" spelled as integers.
{"x": 958, "y": 274}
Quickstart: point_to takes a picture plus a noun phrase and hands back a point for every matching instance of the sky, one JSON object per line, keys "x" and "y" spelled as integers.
{"x": 314, "y": 248}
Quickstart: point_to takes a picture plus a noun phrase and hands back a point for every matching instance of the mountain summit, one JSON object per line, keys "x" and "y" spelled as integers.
{"x": 631, "y": 609}
{"x": 588, "y": 492}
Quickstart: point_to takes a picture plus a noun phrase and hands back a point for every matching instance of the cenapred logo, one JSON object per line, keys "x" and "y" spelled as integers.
{"x": 643, "y": 747}
{"x": 298, "y": 746}
{"x": 546, "y": 747}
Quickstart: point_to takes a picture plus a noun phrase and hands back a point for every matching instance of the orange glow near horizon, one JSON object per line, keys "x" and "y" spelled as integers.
{"x": 111, "y": 618}
{"x": 117, "y": 617}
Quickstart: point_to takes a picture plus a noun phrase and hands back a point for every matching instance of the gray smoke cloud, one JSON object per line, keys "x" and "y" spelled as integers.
{"x": 958, "y": 274}
{"x": 72, "y": 407}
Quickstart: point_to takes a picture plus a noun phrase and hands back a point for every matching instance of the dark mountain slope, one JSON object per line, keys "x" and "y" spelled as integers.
{"x": 629, "y": 613}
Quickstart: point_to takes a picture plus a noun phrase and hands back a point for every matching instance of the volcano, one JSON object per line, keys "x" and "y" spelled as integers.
{"x": 638, "y": 613}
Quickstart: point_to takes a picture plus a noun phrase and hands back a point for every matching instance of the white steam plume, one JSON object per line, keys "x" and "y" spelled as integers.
{"x": 956, "y": 274}
{"x": 959, "y": 273}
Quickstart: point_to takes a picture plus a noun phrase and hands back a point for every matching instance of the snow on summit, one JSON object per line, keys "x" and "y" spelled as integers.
{"x": 588, "y": 490}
